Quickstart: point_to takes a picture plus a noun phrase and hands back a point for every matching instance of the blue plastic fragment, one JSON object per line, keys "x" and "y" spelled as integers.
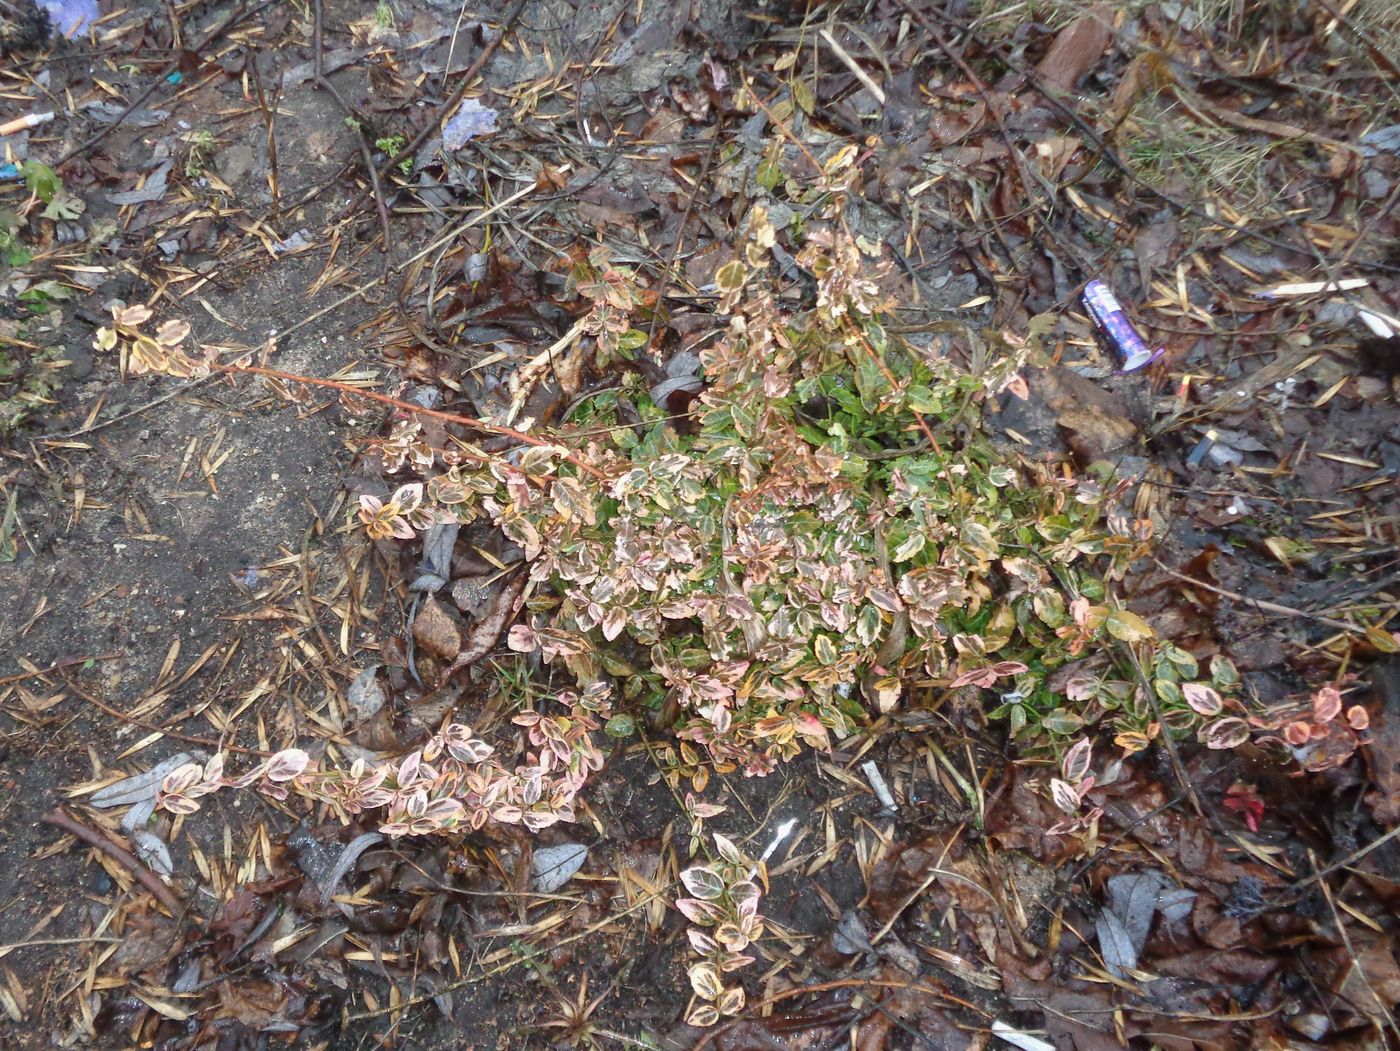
{"x": 70, "y": 17}
{"x": 470, "y": 120}
{"x": 9, "y": 171}
{"x": 175, "y": 78}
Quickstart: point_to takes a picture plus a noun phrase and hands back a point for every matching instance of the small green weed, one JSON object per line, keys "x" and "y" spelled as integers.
{"x": 392, "y": 145}
{"x": 199, "y": 151}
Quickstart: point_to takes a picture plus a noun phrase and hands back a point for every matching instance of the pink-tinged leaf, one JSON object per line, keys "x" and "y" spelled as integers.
{"x": 407, "y": 772}
{"x": 1203, "y": 699}
{"x": 980, "y": 677}
{"x": 1081, "y": 686}
{"x": 522, "y": 639}
{"x": 182, "y": 778}
{"x": 403, "y": 529}
{"x": 1066, "y": 798}
{"x": 203, "y": 788}
{"x": 370, "y": 506}
{"x": 178, "y": 804}
{"x": 703, "y": 883}
{"x": 1327, "y": 704}
{"x": 1004, "y": 668}
{"x": 251, "y": 777}
{"x": 510, "y": 815}
{"x": 699, "y": 940}
{"x": 745, "y": 896}
{"x": 1298, "y": 733}
{"x": 1225, "y": 733}
{"x": 535, "y": 820}
{"x": 696, "y": 911}
{"x": 734, "y": 961}
{"x": 727, "y": 850}
{"x": 886, "y": 600}
{"x": 287, "y": 764}
{"x": 214, "y": 769}
{"x": 172, "y": 333}
{"x": 614, "y": 622}
{"x": 131, "y": 316}
{"x": 1076, "y": 761}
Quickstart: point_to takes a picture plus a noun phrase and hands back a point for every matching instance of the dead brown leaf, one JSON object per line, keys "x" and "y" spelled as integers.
{"x": 437, "y": 630}
{"x": 1077, "y": 48}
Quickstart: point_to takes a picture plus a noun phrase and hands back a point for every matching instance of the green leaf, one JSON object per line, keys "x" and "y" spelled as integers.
{"x": 1128, "y": 627}
{"x": 631, "y": 340}
{"x": 1167, "y": 691}
{"x": 41, "y": 180}
{"x": 730, "y": 277}
{"x": 1061, "y": 721}
{"x": 1223, "y": 671}
{"x": 769, "y": 175}
{"x": 802, "y": 95}
{"x": 620, "y": 726}
{"x": 1185, "y": 664}
{"x": 868, "y": 625}
{"x": 703, "y": 882}
{"x": 912, "y": 545}
{"x": 1049, "y": 607}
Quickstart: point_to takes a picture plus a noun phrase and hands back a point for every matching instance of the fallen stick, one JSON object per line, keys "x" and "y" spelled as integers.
{"x": 1264, "y": 605}
{"x": 64, "y": 821}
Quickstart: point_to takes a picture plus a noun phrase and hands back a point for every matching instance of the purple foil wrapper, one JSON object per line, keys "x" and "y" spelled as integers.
{"x": 1108, "y": 314}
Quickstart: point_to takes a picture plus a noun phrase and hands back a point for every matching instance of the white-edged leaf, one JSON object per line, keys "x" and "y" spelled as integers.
{"x": 287, "y": 764}
{"x": 703, "y": 883}
{"x": 702, "y": 1016}
{"x": 704, "y": 979}
{"x": 727, "y": 850}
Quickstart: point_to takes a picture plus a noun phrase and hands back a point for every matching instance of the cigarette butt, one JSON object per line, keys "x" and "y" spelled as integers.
{"x": 29, "y": 120}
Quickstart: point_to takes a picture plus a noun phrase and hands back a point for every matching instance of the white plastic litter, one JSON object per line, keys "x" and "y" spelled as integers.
{"x": 552, "y": 867}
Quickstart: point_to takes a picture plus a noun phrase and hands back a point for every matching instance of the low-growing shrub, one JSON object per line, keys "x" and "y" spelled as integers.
{"x": 830, "y": 533}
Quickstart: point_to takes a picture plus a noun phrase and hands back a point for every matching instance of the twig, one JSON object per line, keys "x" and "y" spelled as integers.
{"x": 384, "y": 399}
{"x": 67, "y": 662}
{"x": 680, "y": 234}
{"x": 360, "y": 137}
{"x": 1350, "y": 859}
{"x": 270, "y": 119}
{"x": 507, "y": 24}
{"x": 1169, "y": 742}
{"x": 234, "y": 17}
{"x": 203, "y": 742}
{"x": 851, "y": 64}
{"x": 1381, "y": 1004}
{"x": 64, "y": 821}
{"x": 1263, "y": 604}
